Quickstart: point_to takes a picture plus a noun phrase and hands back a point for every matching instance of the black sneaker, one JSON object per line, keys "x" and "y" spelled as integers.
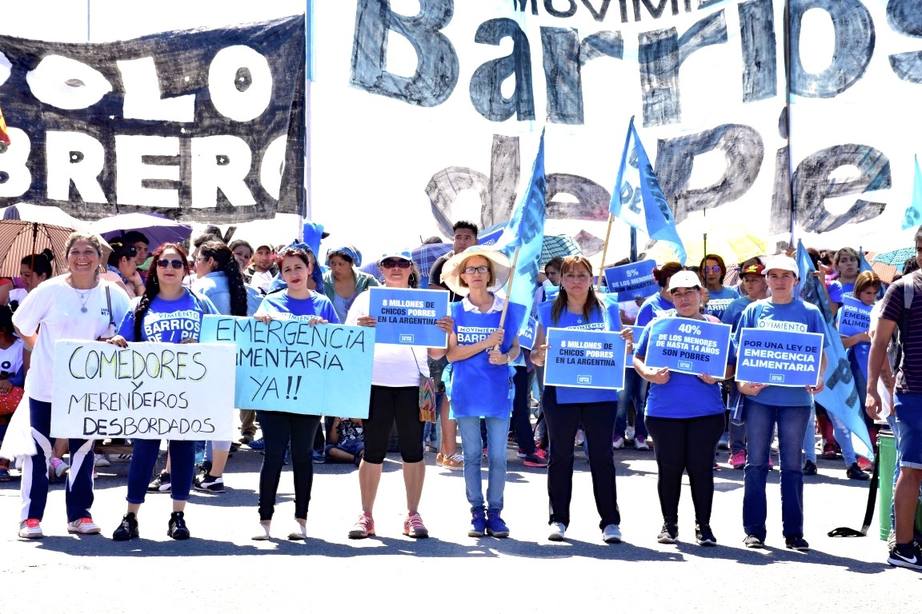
{"x": 906, "y": 555}
{"x": 161, "y": 483}
{"x": 128, "y": 529}
{"x": 752, "y": 541}
{"x": 796, "y": 543}
{"x": 809, "y": 467}
{"x": 669, "y": 534}
{"x": 209, "y": 483}
{"x": 177, "y": 528}
{"x": 704, "y": 536}
{"x": 854, "y": 472}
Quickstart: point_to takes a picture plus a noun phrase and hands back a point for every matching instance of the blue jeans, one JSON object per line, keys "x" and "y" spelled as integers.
{"x": 471, "y": 445}
{"x": 760, "y": 421}
{"x": 634, "y": 392}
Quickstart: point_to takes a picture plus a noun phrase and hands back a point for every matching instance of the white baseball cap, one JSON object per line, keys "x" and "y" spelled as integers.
{"x": 684, "y": 279}
{"x": 781, "y": 262}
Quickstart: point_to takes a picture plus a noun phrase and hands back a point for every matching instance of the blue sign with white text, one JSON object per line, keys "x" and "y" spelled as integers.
{"x": 854, "y": 316}
{"x": 584, "y": 359}
{"x": 689, "y": 346}
{"x": 633, "y": 280}
{"x": 408, "y": 317}
{"x": 779, "y": 357}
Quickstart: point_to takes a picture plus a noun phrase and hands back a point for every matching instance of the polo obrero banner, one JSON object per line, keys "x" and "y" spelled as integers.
{"x": 204, "y": 125}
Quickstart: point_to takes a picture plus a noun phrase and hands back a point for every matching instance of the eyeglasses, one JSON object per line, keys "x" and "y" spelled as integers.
{"x": 714, "y": 268}
{"x": 400, "y": 263}
{"x": 482, "y": 269}
{"x": 176, "y": 264}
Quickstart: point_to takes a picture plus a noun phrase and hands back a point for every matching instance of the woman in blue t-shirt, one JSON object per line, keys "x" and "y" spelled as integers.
{"x": 167, "y": 312}
{"x": 685, "y": 416}
{"x": 281, "y": 428}
{"x": 788, "y": 407}
{"x": 565, "y": 409}
{"x": 480, "y": 347}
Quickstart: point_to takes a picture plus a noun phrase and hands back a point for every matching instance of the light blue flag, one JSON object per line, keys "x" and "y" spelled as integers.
{"x": 525, "y": 232}
{"x": 863, "y": 264}
{"x": 637, "y": 198}
{"x": 913, "y": 215}
{"x": 839, "y": 396}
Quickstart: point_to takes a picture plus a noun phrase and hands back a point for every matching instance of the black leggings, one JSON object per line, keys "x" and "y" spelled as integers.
{"x": 279, "y": 429}
{"x": 386, "y": 406}
{"x": 685, "y": 445}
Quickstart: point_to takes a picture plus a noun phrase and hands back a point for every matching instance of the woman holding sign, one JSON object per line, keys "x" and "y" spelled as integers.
{"x": 396, "y": 372}
{"x": 166, "y": 312}
{"x": 482, "y": 344}
{"x": 565, "y": 409}
{"x": 77, "y": 305}
{"x": 787, "y": 406}
{"x": 281, "y": 429}
{"x": 685, "y": 416}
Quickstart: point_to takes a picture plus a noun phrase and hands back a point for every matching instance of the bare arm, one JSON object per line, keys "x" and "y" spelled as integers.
{"x": 878, "y": 356}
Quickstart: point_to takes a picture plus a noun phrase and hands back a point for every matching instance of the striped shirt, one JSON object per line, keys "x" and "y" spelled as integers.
{"x": 909, "y": 377}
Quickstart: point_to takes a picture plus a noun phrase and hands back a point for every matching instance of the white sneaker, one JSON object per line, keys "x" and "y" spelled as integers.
{"x": 629, "y": 432}
{"x": 558, "y": 532}
{"x": 83, "y": 526}
{"x": 102, "y": 460}
{"x": 641, "y": 444}
{"x": 618, "y": 443}
{"x": 263, "y": 533}
{"x": 611, "y": 534}
{"x": 298, "y": 533}
{"x": 30, "y": 529}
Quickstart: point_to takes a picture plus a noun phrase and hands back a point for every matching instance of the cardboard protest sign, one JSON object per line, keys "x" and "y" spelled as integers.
{"x": 633, "y": 280}
{"x": 854, "y": 316}
{"x": 291, "y": 366}
{"x": 144, "y": 391}
{"x": 584, "y": 359}
{"x": 779, "y": 357}
{"x": 689, "y": 346}
{"x": 408, "y": 316}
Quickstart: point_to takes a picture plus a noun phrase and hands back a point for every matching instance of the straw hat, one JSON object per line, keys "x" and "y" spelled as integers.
{"x": 451, "y": 272}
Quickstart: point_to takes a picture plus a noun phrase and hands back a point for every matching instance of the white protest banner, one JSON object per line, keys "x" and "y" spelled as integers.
{"x": 444, "y": 91}
{"x": 144, "y": 391}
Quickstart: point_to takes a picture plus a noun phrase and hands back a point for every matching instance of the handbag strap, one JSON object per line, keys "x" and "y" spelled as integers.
{"x": 418, "y": 369}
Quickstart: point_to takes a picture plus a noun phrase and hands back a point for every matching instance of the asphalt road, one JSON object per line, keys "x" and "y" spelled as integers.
{"x": 222, "y": 570}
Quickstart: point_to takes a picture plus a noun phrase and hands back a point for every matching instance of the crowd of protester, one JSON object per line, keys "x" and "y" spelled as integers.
{"x": 490, "y": 390}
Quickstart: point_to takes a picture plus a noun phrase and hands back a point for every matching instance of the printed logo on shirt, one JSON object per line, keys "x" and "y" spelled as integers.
{"x": 161, "y": 327}
{"x": 798, "y": 327}
{"x": 469, "y": 335}
{"x": 590, "y": 326}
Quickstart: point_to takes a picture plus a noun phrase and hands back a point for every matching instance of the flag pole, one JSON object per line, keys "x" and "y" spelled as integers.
{"x": 502, "y": 317}
{"x": 605, "y": 249}
{"x": 515, "y": 261}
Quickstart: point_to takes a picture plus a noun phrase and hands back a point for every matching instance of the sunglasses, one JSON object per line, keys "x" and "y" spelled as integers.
{"x": 714, "y": 268}
{"x": 390, "y": 263}
{"x": 176, "y": 264}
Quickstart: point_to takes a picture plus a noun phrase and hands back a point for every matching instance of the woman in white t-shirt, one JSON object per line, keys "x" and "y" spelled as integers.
{"x": 76, "y": 305}
{"x": 394, "y": 398}
{"x": 33, "y": 270}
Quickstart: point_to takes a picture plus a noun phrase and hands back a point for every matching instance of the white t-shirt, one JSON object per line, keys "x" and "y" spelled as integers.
{"x": 58, "y": 308}
{"x": 394, "y": 365}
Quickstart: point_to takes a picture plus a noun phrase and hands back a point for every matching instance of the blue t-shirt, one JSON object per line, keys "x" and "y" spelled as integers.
{"x": 479, "y": 389}
{"x": 169, "y": 321}
{"x": 719, "y": 300}
{"x": 684, "y": 395}
{"x": 609, "y": 319}
{"x": 316, "y": 305}
{"x": 837, "y": 289}
{"x": 734, "y": 310}
{"x": 651, "y": 308}
{"x": 795, "y": 316}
